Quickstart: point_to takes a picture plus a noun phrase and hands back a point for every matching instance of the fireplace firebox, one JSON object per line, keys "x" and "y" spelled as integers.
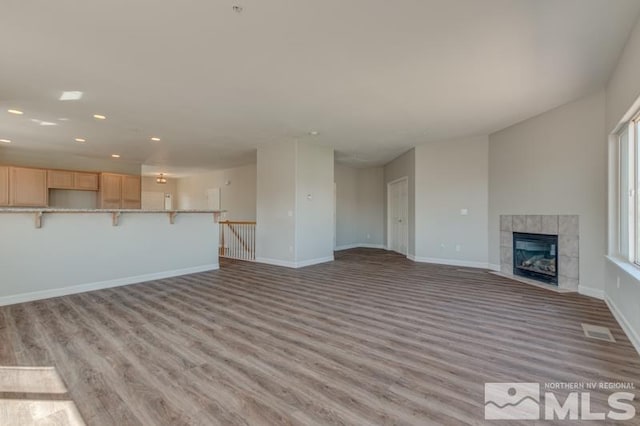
{"x": 536, "y": 256}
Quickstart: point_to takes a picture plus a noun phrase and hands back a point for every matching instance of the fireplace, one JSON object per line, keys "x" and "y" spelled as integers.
{"x": 536, "y": 256}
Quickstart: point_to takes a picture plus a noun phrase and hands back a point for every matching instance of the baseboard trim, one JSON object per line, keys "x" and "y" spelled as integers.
{"x": 633, "y": 336}
{"x": 450, "y": 262}
{"x": 346, "y": 247}
{"x": 291, "y": 264}
{"x": 82, "y": 288}
{"x": 591, "y": 292}
{"x": 494, "y": 267}
{"x": 310, "y": 262}
{"x": 352, "y": 246}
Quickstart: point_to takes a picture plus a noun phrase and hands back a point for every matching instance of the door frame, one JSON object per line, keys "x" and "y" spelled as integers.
{"x": 393, "y": 182}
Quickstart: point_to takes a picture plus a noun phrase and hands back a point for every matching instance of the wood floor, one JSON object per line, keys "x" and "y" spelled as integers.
{"x": 371, "y": 338}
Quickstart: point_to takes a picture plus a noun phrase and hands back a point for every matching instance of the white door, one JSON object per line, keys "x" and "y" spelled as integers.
{"x": 398, "y": 215}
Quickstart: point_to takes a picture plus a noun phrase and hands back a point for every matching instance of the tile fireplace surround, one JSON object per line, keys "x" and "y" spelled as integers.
{"x": 566, "y": 227}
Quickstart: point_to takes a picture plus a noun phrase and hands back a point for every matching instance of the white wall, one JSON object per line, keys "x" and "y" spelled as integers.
{"x": 149, "y": 184}
{"x": 238, "y": 197}
{"x": 347, "y": 210}
{"x": 555, "y": 163}
{"x": 622, "y": 280}
{"x": 404, "y": 165}
{"x": 450, "y": 176}
{"x": 67, "y": 198}
{"x": 81, "y": 252}
{"x": 359, "y": 206}
{"x": 314, "y": 203}
{"x": 371, "y": 208}
{"x": 276, "y": 201}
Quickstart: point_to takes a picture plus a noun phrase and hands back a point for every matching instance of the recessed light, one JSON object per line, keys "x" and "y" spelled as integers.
{"x": 5, "y": 141}
{"x": 63, "y": 119}
{"x": 314, "y": 133}
{"x": 72, "y": 95}
{"x": 115, "y": 155}
{"x": 48, "y": 123}
{"x": 99, "y": 117}
{"x": 15, "y": 111}
{"x": 155, "y": 139}
{"x": 80, "y": 140}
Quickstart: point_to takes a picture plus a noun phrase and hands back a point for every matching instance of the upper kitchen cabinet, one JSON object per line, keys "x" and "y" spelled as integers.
{"x": 4, "y": 186}
{"x": 27, "y": 187}
{"x": 131, "y": 192}
{"x": 67, "y": 179}
{"x": 120, "y": 191}
{"x": 85, "y": 181}
{"x": 60, "y": 179}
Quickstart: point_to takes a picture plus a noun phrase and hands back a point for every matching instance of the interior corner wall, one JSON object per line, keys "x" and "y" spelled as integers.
{"x": 555, "y": 163}
{"x": 403, "y": 166}
{"x": 450, "y": 176}
{"x": 275, "y": 203}
{"x": 359, "y": 206}
{"x": 314, "y": 203}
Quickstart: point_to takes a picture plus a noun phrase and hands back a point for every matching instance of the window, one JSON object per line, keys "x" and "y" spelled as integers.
{"x": 629, "y": 201}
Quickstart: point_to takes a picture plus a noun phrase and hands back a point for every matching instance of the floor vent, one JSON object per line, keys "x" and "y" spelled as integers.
{"x": 597, "y": 332}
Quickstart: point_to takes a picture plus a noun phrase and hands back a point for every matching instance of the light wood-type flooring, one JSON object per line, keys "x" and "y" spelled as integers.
{"x": 369, "y": 339}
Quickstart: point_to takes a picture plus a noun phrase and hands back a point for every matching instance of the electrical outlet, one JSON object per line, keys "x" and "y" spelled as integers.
{"x": 290, "y": 249}
{"x": 442, "y": 246}
{"x": 464, "y": 212}
{"x": 618, "y": 282}
{"x": 368, "y": 236}
{"x": 458, "y": 247}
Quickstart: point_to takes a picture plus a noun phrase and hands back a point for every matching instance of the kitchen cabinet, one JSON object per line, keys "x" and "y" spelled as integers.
{"x": 67, "y": 179}
{"x": 120, "y": 191}
{"x": 60, "y": 179}
{"x": 28, "y": 187}
{"x": 4, "y": 186}
{"x": 85, "y": 181}
{"x": 131, "y": 192}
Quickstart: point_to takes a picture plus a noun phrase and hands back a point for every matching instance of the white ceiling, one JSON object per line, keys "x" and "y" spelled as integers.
{"x": 373, "y": 77}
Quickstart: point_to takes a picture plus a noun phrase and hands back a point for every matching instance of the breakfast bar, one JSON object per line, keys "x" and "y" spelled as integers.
{"x": 46, "y": 252}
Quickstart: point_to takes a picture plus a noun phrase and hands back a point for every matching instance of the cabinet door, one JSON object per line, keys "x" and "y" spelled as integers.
{"x": 28, "y": 187}
{"x": 4, "y": 186}
{"x": 60, "y": 179}
{"x": 110, "y": 191}
{"x": 85, "y": 181}
{"x": 131, "y": 192}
